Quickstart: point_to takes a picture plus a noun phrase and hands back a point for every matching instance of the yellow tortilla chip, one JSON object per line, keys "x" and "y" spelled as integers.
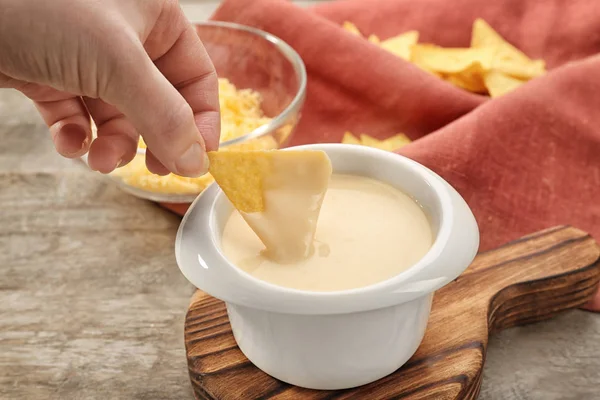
{"x": 244, "y": 175}
{"x": 396, "y": 141}
{"x": 350, "y": 27}
{"x": 374, "y": 39}
{"x": 464, "y": 67}
{"x": 450, "y": 60}
{"x": 470, "y": 79}
{"x": 389, "y": 144}
{"x": 401, "y": 45}
{"x": 507, "y": 58}
{"x": 349, "y": 138}
{"x": 529, "y": 70}
{"x": 240, "y": 175}
{"x": 483, "y": 35}
{"x": 370, "y": 141}
{"x": 499, "y": 84}
{"x": 428, "y": 70}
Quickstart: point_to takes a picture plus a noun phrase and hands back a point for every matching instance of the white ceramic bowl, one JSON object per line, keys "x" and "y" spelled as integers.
{"x": 333, "y": 340}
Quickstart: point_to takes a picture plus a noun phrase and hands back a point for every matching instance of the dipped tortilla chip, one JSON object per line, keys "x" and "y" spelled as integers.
{"x": 244, "y": 176}
{"x": 240, "y": 175}
{"x": 278, "y": 193}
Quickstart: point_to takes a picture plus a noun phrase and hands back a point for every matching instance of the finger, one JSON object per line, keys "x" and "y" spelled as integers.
{"x": 154, "y": 165}
{"x": 188, "y": 67}
{"x": 66, "y": 117}
{"x": 112, "y": 126}
{"x": 69, "y": 125}
{"x": 159, "y": 112}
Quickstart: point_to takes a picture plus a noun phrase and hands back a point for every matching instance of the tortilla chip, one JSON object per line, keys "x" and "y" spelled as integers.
{"x": 395, "y": 142}
{"x": 401, "y": 45}
{"x": 374, "y": 39}
{"x": 498, "y": 83}
{"x": 244, "y": 175}
{"x": 451, "y": 60}
{"x": 350, "y": 27}
{"x": 390, "y": 144}
{"x": 530, "y": 70}
{"x": 507, "y": 58}
{"x": 240, "y": 176}
{"x": 428, "y": 70}
{"x": 470, "y": 79}
{"x": 349, "y": 138}
{"x": 370, "y": 141}
{"x": 483, "y": 35}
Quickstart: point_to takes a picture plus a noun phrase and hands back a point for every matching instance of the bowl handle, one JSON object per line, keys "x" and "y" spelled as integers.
{"x": 458, "y": 253}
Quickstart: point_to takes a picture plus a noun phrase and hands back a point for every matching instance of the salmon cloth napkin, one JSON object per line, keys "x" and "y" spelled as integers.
{"x": 525, "y": 161}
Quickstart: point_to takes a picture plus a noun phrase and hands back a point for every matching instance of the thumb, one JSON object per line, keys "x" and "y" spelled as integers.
{"x": 162, "y": 116}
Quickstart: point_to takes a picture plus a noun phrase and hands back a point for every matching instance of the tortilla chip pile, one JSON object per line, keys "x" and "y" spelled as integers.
{"x": 490, "y": 66}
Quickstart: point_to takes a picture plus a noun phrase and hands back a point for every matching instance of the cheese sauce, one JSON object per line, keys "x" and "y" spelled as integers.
{"x": 367, "y": 232}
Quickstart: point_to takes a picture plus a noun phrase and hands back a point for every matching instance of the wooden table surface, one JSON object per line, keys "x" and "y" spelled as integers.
{"x": 92, "y": 303}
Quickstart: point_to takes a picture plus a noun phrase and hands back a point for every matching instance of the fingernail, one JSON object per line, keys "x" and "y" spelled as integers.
{"x": 71, "y": 139}
{"x": 192, "y": 162}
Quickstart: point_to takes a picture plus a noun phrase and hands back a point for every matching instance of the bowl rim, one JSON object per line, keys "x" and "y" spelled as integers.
{"x": 299, "y": 68}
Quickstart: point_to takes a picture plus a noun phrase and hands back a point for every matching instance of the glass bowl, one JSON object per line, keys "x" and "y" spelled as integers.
{"x": 249, "y": 59}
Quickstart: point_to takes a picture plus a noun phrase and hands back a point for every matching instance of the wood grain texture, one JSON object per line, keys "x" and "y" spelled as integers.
{"x": 526, "y": 281}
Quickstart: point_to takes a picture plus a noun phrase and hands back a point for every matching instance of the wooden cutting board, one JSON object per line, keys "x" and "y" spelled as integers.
{"x": 525, "y": 281}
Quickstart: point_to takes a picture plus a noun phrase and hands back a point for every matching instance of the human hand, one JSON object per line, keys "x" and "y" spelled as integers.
{"x": 134, "y": 66}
